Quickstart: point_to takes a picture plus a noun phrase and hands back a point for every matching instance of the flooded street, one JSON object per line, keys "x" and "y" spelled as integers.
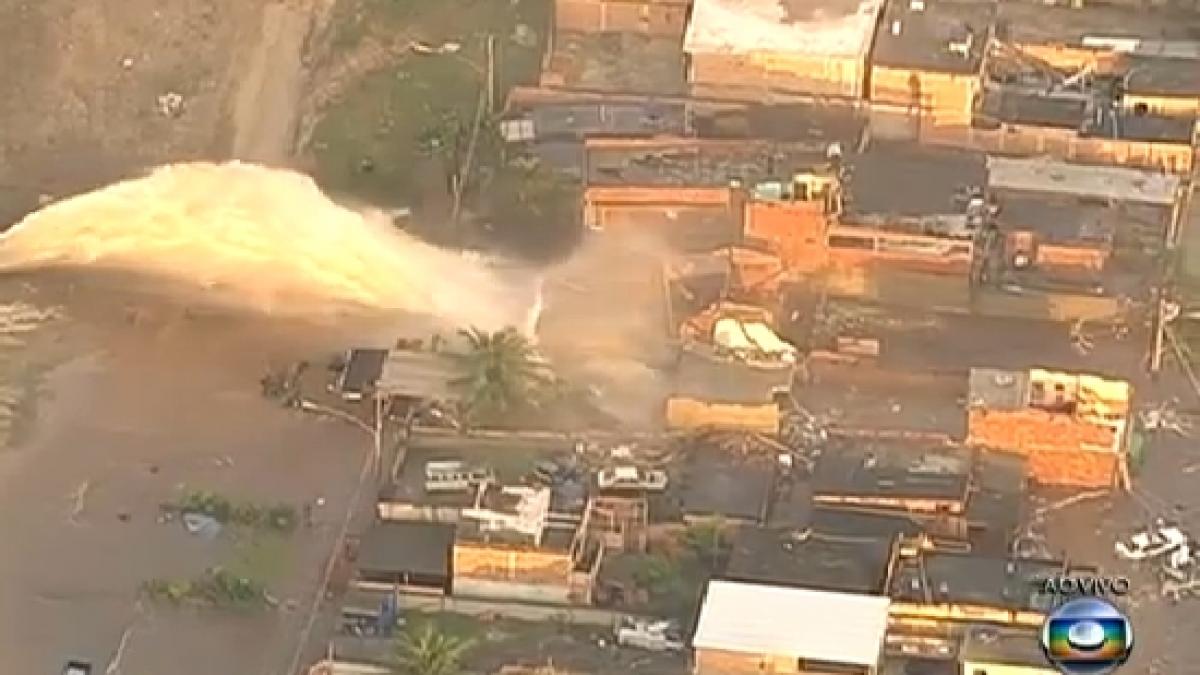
{"x": 1088, "y": 530}
{"x": 136, "y": 411}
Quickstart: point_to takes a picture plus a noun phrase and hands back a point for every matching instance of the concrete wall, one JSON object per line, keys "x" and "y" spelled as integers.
{"x": 470, "y": 587}
{"x": 890, "y": 284}
{"x": 795, "y": 230}
{"x": 943, "y": 99}
{"x": 686, "y": 413}
{"x": 472, "y": 560}
{"x": 1058, "y": 449}
{"x": 833, "y": 76}
{"x": 897, "y": 123}
{"x": 664, "y": 18}
{"x": 722, "y": 662}
{"x": 572, "y": 614}
{"x": 1182, "y": 106}
{"x": 988, "y": 668}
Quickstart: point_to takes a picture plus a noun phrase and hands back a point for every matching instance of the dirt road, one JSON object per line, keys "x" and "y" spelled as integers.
{"x": 266, "y": 109}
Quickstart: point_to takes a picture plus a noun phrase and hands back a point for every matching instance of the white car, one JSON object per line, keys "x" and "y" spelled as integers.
{"x": 1152, "y": 543}
{"x": 632, "y": 478}
{"x": 655, "y": 636}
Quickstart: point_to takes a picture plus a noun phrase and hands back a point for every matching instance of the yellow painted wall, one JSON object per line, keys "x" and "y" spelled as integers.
{"x": 983, "y": 667}
{"x": 944, "y": 98}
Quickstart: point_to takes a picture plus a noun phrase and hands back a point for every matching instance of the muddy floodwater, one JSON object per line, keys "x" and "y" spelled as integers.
{"x": 122, "y": 402}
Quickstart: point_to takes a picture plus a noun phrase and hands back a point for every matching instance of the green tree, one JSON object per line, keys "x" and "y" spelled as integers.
{"x": 501, "y": 373}
{"x": 428, "y": 651}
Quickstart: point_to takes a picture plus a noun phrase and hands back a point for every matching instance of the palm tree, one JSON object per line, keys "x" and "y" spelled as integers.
{"x": 501, "y": 373}
{"x": 428, "y": 651}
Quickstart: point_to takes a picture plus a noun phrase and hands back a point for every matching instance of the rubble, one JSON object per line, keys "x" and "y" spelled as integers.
{"x": 170, "y": 104}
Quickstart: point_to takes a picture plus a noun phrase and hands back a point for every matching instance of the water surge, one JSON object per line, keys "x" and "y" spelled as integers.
{"x": 265, "y": 239}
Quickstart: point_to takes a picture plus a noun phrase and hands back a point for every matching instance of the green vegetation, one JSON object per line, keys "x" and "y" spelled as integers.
{"x": 426, "y": 650}
{"x": 399, "y": 131}
{"x": 218, "y": 588}
{"x": 262, "y": 555}
{"x": 277, "y": 518}
{"x": 501, "y": 375}
{"x": 675, "y": 579}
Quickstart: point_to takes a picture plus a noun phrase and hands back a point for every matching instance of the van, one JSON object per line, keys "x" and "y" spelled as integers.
{"x": 453, "y": 476}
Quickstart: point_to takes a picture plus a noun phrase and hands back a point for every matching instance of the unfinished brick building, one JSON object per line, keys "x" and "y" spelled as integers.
{"x": 1072, "y": 428}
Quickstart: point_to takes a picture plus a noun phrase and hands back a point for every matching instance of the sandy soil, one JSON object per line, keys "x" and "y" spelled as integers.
{"x": 81, "y": 81}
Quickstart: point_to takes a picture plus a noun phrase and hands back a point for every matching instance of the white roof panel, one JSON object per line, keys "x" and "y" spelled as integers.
{"x": 813, "y": 27}
{"x": 1120, "y": 184}
{"x": 844, "y": 628}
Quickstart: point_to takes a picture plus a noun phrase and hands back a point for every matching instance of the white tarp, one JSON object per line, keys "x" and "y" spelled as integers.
{"x": 728, "y": 333}
{"x": 766, "y": 339}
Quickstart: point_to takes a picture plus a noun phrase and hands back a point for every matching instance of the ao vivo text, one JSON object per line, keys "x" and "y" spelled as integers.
{"x": 1084, "y": 585}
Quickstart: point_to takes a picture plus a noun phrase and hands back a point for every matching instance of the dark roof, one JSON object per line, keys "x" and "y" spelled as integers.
{"x": 986, "y": 644}
{"x": 1059, "y": 218}
{"x": 1162, "y": 75}
{"x": 907, "y": 180}
{"x": 699, "y": 163}
{"x": 1012, "y": 105}
{"x": 791, "y": 122}
{"x": 996, "y": 507}
{"x": 866, "y": 468}
{"x": 1037, "y": 23}
{"x": 1133, "y": 126}
{"x": 717, "y": 484}
{"x": 581, "y": 120}
{"x": 363, "y": 369}
{"x": 778, "y": 557}
{"x": 565, "y": 157}
{"x": 925, "y": 35}
{"x": 976, "y": 580}
{"x": 407, "y": 547}
{"x": 847, "y": 524}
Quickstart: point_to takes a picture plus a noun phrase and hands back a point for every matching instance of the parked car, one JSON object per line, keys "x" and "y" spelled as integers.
{"x": 77, "y": 668}
{"x": 655, "y": 636}
{"x": 632, "y": 478}
{"x": 1151, "y": 544}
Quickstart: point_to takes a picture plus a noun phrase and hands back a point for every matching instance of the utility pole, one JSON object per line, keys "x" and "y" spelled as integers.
{"x": 491, "y": 74}
{"x": 377, "y": 436}
{"x": 1158, "y": 337}
{"x": 465, "y": 170}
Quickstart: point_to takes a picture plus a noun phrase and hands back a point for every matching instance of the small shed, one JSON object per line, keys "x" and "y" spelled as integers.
{"x": 756, "y": 628}
{"x": 413, "y": 555}
{"x": 363, "y": 369}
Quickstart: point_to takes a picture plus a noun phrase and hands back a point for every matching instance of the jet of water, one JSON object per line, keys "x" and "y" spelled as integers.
{"x": 261, "y": 238}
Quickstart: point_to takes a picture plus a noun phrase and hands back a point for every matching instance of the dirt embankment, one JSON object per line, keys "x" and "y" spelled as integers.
{"x": 81, "y": 85}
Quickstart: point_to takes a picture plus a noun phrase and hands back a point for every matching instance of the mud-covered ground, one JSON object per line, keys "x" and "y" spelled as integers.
{"x": 1165, "y": 632}
{"x": 145, "y": 403}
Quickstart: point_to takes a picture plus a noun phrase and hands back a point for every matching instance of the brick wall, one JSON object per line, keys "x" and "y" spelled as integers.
{"x": 497, "y": 562}
{"x": 1059, "y": 449}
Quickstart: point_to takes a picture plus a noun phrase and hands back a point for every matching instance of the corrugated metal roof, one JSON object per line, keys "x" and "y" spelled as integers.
{"x": 844, "y": 628}
{"x": 417, "y": 375}
{"x": 1121, "y": 184}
